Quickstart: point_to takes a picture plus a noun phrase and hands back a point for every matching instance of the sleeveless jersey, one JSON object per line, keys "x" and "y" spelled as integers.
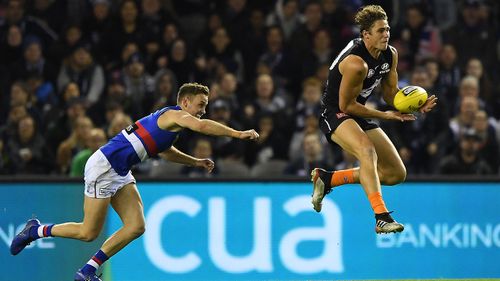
{"x": 377, "y": 69}
{"x": 138, "y": 142}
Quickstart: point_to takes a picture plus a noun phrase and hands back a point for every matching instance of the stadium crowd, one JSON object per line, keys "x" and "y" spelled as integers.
{"x": 75, "y": 73}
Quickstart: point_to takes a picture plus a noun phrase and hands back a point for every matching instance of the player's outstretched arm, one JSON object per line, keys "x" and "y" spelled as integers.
{"x": 174, "y": 155}
{"x": 210, "y": 127}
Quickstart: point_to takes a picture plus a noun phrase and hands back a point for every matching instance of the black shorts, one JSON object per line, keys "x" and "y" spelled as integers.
{"x": 330, "y": 120}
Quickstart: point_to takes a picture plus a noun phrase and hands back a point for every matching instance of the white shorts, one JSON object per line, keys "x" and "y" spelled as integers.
{"x": 101, "y": 180}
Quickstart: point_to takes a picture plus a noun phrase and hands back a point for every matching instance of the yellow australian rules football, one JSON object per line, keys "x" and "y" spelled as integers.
{"x": 410, "y": 99}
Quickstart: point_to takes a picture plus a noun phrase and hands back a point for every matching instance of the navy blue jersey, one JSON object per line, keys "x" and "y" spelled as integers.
{"x": 377, "y": 69}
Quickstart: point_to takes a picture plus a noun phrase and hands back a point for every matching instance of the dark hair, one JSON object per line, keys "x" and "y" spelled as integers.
{"x": 191, "y": 89}
{"x": 367, "y": 15}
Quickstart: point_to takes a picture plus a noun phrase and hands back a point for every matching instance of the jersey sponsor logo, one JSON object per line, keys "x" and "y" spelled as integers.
{"x": 385, "y": 68}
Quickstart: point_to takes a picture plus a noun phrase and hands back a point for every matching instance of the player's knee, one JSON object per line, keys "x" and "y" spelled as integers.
{"x": 137, "y": 229}
{"x": 89, "y": 236}
{"x": 366, "y": 151}
{"x": 395, "y": 176}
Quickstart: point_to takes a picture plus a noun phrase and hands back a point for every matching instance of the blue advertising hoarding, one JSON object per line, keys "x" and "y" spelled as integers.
{"x": 267, "y": 231}
{"x": 49, "y": 259}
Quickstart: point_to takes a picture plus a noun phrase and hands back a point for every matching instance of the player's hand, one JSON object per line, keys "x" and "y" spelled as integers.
{"x": 398, "y": 116}
{"x": 206, "y": 164}
{"x": 249, "y": 135}
{"x": 429, "y": 104}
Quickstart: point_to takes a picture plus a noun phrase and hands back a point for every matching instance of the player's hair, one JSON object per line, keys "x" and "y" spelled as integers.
{"x": 191, "y": 90}
{"x": 367, "y": 15}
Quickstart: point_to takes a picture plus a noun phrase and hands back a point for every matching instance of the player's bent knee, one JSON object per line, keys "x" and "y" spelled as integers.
{"x": 136, "y": 230}
{"x": 395, "y": 176}
{"x": 88, "y": 236}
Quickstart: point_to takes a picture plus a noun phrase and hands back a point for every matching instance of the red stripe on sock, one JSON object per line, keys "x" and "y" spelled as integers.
{"x": 97, "y": 260}
{"x": 45, "y": 231}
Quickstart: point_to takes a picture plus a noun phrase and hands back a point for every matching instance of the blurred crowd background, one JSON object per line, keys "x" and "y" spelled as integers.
{"x": 75, "y": 73}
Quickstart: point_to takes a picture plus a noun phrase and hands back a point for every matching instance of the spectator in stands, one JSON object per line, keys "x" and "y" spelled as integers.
{"x": 67, "y": 42}
{"x": 11, "y": 46}
{"x": 153, "y": 18}
{"x": 96, "y": 24}
{"x": 96, "y": 139}
{"x": 60, "y": 122}
{"x": 473, "y": 36}
{"x": 119, "y": 122}
{"x": 449, "y": 76}
{"x": 228, "y": 91}
{"x": 139, "y": 86}
{"x": 464, "y": 120}
{"x": 486, "y": 92}
{"x": 166, "y": 89}
{"x": 487, "y": 139}
{"x": 466, "y": 159}
{"x": 419, "y": 37}
{"x": 321, "y": 53}
{"x": 202, "y": 148}
{"x": 309, "y": 103}
{"x": 47, "y": 13}
{"x": 27, "y": 151}
{"x": 313, "y": 157}
{"x": 469, "y": 87}
{"x": 276, "y": 60}
{"x": 21, "y": 95}
{"x": 33, "y": 61}
{"x": 16, "y": 113}
{"x": 81, "y": 68}
{"x": 74, "y": 143}
{"x": 303, "y": 35}
{"x": 311, "y": 126}
{"x": 271, "y": 100}
{"x": 270, "y": 145}
{"x": 15, "y": 15}
{"x": 287, "y": 16}
{"x": 180, "y": 62}
{"x": 225, "y": 147}
{"x": 255, "y": 43}
{"x": 170, "y": 33}
{"x": 126, "y": 29}
{"x": 222, "y": 56}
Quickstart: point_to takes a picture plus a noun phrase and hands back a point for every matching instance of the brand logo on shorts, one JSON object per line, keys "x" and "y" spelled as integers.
{"x": 103, "y": 191}
{"x": 341, "y": 115}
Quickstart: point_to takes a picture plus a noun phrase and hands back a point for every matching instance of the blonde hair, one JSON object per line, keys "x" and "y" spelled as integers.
{"x": 367, "y": 15}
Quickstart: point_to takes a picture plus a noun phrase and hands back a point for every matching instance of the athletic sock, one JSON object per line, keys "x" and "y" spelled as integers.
{"x": 94, "y": 263}
{"x": 342, "y": 177}
{"x": 41, "y": 231}
{"x": 377, "y": 202}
